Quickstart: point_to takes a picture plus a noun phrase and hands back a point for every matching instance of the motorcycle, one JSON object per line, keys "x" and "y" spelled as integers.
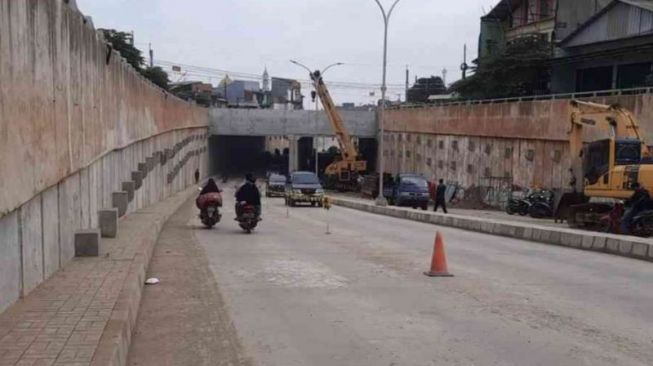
{"x": 248, "y": 218}
{"x": 518, "y": 206}
{"x": 209, "y": 205}
{"x": 541, "y": 204}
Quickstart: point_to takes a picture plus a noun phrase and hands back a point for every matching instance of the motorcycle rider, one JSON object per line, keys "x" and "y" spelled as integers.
{"x": 249, "y": 194}
{"x": 210, "y": 187}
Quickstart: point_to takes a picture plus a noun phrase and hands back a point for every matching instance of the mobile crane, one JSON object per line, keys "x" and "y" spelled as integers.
{"x": 611, "y": 168}
{"x": 341, "y": 174}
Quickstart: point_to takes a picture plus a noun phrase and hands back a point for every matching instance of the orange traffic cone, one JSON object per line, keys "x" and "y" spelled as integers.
{"x": 439, "y": 260}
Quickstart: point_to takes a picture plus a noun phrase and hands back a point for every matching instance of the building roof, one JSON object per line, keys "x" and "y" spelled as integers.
{"x": 503, "y": 9}
{"x": 618, "y": 20}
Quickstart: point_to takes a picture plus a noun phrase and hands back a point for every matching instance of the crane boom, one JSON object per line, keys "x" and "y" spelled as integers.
{"x": 347, "y": 148}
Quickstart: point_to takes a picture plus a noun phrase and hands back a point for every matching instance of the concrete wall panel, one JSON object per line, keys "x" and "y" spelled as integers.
{"x": 70, "y": 216}
{"x": 31, "y": 226}
{"x": 10, "y": 253}
{"x": 51, "y": 258}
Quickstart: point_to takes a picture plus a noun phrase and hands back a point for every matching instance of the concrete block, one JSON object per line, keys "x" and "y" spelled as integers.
{"x": 497, "y": 229}
{"x": 108, "y": 222}
{"x": 130, "y": 188}
{"x": 120, "y": 200}
{"x": 612, "y": 245}
{"x": 87, "y": 243}
{"x": 625, "y": 247}
{"x": 9, "y": 260}
{"x": 587, "y": 241}
{"x": 576, "y": 240}
{"x": 545, "y": 236}
{"x": 640, "y": 250}
{"x": 50, "y": 232}
{"x": 32, "y": 244}
{"x": 519, "y": 232}
{"x": 650, "y": 252}
{"x": 599, "y": 243}
{"x": 137, "y": 178}
{"x": 142, "y": 167}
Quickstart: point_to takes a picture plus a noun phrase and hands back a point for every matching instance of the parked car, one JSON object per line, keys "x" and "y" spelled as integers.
{"x": 304, "y": 187}
{"x": 410, "y": 190}
{"x": 275, "y": 186}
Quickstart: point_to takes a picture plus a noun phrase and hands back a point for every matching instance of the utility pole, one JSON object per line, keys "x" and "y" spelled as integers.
{"x": 407, "y": 84}
{"x": 463, "y": 66}
{"x": 444, "y": 77}
{"x": 151, "y": 55}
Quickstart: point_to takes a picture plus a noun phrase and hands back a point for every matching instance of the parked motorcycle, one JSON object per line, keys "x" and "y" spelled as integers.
{"x": 518, "y": 206}
{"x": 541, "y": 204}
{"x": 248, "y": 218}
{"x": 209, "y": 205}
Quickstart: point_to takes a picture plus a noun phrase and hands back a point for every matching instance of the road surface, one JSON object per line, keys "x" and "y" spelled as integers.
{"x": 298, "y": 296}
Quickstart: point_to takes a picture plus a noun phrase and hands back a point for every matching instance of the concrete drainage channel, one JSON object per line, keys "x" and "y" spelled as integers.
{"x": 625, "y": 246}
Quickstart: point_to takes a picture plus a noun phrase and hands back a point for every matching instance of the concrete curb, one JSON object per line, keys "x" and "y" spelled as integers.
{"x": 625, "y": 246}
{"x": 116, "y": 338}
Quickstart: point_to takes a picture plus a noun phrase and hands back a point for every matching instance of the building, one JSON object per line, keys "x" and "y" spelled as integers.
{"x": 512, "y": 19}
{"x": 201, "y": 93}
{"x": 286, "y": 94}
{"x": 239, "y": 93}
{"x": 613, "y": 49}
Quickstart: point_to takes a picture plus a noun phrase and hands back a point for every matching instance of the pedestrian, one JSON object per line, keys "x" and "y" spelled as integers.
{"x": 440, "y": 199}
{"x": 197, "y": 176}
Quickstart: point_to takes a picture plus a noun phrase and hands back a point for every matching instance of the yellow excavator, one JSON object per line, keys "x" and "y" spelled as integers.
{"x": 341, "y": 174}
{"x": 611, "y": 167}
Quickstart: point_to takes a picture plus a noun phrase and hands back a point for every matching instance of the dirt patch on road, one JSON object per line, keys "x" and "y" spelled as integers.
{"x": 183, "y": 319}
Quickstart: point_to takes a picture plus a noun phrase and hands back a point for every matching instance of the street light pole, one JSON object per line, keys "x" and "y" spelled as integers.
{"x": 380, "y": 199}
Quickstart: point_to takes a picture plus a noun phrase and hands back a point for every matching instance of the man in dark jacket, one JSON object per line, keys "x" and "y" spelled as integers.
{"x": 210, "y": 187}
{"x": 249, "y": 194}
{"x": 440, "y": 199}
{"x": 637, "y": 202}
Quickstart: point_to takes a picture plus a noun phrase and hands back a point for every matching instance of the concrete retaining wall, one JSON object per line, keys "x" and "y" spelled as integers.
{"x": 626, "y": 246}
{"x": 488, "y": 150}
{"x": 75, "y": 121}
{"x": 66, "y": 99}
{"x": 37, "y": 238}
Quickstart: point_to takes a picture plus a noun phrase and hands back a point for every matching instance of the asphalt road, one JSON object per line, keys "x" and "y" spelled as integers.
{"x": 298, "y": 296}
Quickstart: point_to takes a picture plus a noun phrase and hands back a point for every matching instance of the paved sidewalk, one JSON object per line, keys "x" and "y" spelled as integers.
{"x": 77, "y": 317}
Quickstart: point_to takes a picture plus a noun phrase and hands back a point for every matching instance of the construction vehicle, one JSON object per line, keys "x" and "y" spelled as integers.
{"x": 611, "y": 168}
{"x": 342, "y": 174}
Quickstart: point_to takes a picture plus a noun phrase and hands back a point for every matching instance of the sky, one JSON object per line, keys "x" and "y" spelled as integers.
{"x": 242, "y": 37}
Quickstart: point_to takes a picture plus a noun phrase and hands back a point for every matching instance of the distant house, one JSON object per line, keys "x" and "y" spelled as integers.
{"x": 613, "y": 49}
{"x": 286, "y": 94}
{"x": 201, "y": 93}
{"x": 239, "y": 93}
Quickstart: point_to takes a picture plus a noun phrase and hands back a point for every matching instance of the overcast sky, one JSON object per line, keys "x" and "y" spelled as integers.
{"x": 247, "y": 35}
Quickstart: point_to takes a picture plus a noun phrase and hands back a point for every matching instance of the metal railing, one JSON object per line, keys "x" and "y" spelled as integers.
{"x": 530, "y": 98}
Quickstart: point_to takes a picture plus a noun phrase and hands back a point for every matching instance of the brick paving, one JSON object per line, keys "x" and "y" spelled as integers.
{"x": 62, "y": 320}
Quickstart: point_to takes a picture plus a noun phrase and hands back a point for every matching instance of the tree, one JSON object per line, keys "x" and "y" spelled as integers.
{"x": 157, "y": 76}
{"x": 123, "y": 43}
{"x": 424, "y": 88}
{"x": 521, "y": 70}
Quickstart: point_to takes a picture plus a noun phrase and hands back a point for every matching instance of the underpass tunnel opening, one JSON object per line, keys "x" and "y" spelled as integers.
{"x": 233, "y": 156}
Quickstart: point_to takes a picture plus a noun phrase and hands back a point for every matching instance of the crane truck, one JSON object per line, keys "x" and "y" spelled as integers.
{"x": 343, "y": 173}
{"x": 610, "y": 168}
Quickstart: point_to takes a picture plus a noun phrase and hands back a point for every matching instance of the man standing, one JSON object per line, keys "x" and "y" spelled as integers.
{"x": 440, "y": 196}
